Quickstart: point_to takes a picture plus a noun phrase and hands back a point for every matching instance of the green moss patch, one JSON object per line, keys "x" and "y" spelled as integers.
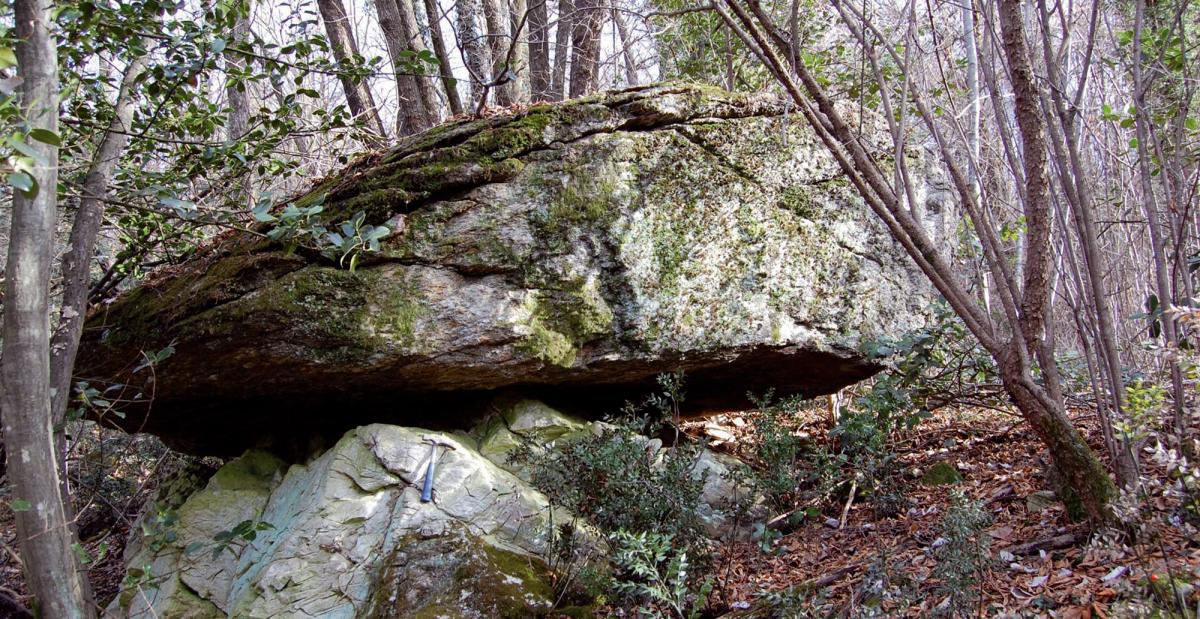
{"x": 941, "y": 474}
{"x": 562, "y": 321}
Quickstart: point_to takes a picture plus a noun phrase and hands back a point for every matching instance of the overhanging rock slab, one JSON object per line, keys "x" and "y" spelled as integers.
{"x": 572, "y": 251}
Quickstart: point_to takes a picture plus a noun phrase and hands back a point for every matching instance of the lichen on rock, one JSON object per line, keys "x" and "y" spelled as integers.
{"x": 579, "y": 249}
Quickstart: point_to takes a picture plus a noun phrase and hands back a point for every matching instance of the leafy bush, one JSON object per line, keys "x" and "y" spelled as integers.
{"x": 884, "y": 588}
{"x": 651, "y": 570}
{"x": 620, "y": 480}
{"x": 964, "y": 555}
{"x": 779, "y": 453}
{"x": 929, "y": 368}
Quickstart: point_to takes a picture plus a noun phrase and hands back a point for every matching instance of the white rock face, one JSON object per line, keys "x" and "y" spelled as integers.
{"x": 347, "y": 536}
{"x": 334, "y": 524}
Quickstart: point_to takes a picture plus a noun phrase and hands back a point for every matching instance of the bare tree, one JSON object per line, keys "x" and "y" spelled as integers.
{"x": 1163, "y": 284}
{"x": 474, "y": 49}
{"x": 562, "y": 42}
{"x": 585, "y": 46}
{"x": 439, "y": 47}
{"x": 51, "y": 568}
{"x": 627, "y": 49}
{"x": 539, "y": 50}
{"x": 418, "y": 107}
{"x": 1020, "y": 343}
{"x": 345, "y": 50}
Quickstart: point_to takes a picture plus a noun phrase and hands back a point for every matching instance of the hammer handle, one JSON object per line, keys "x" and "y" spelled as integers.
{"x": 427, "y": 490}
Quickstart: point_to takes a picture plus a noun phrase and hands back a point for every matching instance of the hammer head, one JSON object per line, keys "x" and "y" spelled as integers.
{"x": 439, "y": 442}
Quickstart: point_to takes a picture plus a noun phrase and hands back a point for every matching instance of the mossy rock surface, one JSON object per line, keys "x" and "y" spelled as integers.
{"x": 575, "y": 250}
{"x": 458, "y": 576}
{"x": 941, "y": 474}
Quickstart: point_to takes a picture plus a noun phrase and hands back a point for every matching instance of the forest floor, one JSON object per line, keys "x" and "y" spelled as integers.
{"x": 1041, "y": 564}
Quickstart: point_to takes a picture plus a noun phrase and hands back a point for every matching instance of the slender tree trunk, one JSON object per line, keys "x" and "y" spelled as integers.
{"x": 585, "y": 46}
{"x": 417, "y": 108}
{"x": 1084, "y": 474}
{"x": 237, "y": 93}
{"x": 631, "y": 65}
{"x": 474, "y": 49}
{"x": 499, "y": 38}
{"x": 1162, "y": 280}
{"x": 51, "y": 568}
{"x": 426, "y": 87}
{"x": 1074, "y": 181}
{"x": 562, "y": 42}
{"x": 539, "y": 50}
{"x": 518, "y": 60}
{"x": 1036, "y": 204}
{"x": 439, "y": 47}
{"x": 77, "y": 262}
{"x": 345, "y": 51}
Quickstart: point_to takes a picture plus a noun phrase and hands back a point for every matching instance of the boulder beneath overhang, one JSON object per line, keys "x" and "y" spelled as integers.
{"x": 572, "y": 252}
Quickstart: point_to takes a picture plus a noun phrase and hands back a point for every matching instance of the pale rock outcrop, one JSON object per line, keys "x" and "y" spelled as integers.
{"x": 335, "y": 528}
{"x": 573, "y": 251}
{"x": 346, "y": 535}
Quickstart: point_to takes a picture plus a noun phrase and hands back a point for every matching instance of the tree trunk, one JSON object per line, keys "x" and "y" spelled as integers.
{"x": 585, "y": 46}
{"x": 237, "y": 94}
{"x": 1162, "y": 281}
{"x": 631, "y": 65}
{"x": 439, "y": 47}
{"x": 345, "y": 51}
{"x": 1046, "y": 416}
{"x": 1036, "y": 289}
{"x": 562, "y": 41}
{"x": 77, "y": 262}
{"x": 474, "y": 48}
{"x": 1086, "y": 488}
{"x": 499, "y": 38}
{"x": 517, "y": 90}
{"x": 426, "y": 88}
{"x": 51, "y": 568}
{"x": 539, "y": 51}
{"x": 417, "y": 107}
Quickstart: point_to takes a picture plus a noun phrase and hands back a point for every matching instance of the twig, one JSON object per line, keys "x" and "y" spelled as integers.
{"x": 849, "y": 502}
{"x": 1058, "y": 542}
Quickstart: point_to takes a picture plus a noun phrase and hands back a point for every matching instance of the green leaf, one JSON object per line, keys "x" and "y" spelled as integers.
{"x": 218, "y": 45}
{"x": 25, "y": 149}
{"x": 84, "y": 556}
{"x": 24, "y": 183}
{"x": 20, "y": 505}
{"x": 45, "y": 136}
{"x": 8, "y": 58}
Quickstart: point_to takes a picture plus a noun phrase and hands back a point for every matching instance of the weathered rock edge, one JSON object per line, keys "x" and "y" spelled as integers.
{"x": 572, "y": 251}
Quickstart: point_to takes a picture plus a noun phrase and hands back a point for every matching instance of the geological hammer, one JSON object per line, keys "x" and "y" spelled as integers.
{"x": 434, "y": 443}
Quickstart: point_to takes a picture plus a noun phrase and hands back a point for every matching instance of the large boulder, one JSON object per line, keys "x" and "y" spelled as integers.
{"x": 347, "y": 535}
{"x": 574, "y": 251}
